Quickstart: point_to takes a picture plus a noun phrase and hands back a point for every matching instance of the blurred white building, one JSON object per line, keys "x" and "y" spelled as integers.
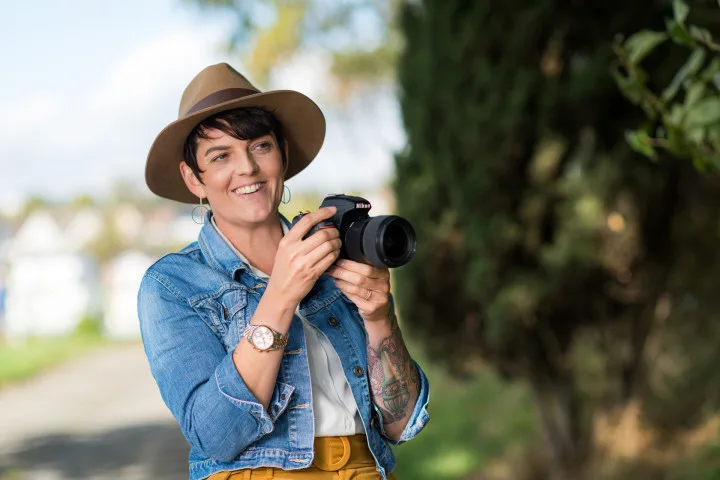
{"x": 51, "y": 285}
{"x": 84, "y": 227}
{"x": 129, "y": 222}
{"x": 122, "y": 281}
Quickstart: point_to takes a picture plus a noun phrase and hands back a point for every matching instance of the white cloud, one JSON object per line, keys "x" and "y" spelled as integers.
{"x": 64, "y": 145}
{"x": 154, "y": 73}
{"x": 307, "y": 72}
{"x": 20, "y": 116}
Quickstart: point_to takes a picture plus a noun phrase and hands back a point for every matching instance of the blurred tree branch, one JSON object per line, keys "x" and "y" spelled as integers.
{"x": 360, "y": 35}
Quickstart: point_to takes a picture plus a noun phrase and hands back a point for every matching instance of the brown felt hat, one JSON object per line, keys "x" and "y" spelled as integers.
{"x": 219, "y": 88}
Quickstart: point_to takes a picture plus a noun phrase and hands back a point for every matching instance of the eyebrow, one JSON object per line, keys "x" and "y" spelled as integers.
{"x": 218, "y": 147}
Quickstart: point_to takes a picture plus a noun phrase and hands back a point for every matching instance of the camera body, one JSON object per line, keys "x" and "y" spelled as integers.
{"x": 385, "y": 241}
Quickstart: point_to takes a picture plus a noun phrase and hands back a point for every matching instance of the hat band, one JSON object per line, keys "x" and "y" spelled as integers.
{"x": 221, "y": 96}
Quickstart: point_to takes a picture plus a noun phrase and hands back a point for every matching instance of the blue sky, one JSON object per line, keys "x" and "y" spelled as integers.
{"x": 86, "y": 86}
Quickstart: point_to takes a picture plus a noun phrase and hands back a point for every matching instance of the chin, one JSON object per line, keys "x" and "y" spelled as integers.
{"x": 257, "y": 215}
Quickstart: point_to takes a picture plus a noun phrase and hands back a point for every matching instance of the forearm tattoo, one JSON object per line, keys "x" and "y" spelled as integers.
{"x": 393, "y": 375}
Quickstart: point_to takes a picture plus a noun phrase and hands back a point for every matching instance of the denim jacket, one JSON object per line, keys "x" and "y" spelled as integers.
{"x": 193, "y": 306}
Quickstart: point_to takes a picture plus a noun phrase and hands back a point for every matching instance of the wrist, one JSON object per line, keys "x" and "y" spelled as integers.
{"x": 383, "y": 326}
{"x": 274, "y": 311}
{"x": 281, "y": 303}
{"x": 380, "y": 316}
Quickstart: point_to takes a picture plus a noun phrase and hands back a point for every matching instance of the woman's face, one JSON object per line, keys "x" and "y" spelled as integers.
{"x": 242, "y": 179}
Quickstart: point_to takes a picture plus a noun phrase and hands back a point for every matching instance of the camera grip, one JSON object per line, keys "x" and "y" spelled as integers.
{"x": 319, "y": 226}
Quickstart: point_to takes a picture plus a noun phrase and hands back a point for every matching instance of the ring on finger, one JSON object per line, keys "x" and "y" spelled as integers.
{"x": 369, "y": 293}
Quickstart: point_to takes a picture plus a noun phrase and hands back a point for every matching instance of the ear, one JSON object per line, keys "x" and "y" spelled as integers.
{"x": 191, "y": 181}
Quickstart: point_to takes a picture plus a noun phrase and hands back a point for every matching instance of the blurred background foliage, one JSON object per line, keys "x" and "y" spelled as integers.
{"x": 556, "y": 267}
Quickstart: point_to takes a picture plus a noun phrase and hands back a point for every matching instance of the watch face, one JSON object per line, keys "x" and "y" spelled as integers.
{"x": 263, "y": 338}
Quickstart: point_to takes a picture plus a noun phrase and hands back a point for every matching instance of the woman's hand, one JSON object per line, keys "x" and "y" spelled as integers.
{"x": 299, "y": 263}
{"x": 366, "y": 286}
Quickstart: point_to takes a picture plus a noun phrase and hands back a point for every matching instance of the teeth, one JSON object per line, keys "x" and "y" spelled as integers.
{"x": 249, "y": 189}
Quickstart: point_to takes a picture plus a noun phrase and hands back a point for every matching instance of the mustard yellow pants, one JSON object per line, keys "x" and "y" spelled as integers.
{"x": 336, "y": 458}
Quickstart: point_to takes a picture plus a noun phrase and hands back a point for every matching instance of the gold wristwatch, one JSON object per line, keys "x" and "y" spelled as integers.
{"x": 264, "y": 338}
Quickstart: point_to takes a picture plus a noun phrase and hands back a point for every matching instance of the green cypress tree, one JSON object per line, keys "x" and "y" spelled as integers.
{"x": 546, "y": 247}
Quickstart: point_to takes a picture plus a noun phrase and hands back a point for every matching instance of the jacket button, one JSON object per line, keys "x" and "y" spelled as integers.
{"x": 334, "y": 322}
{"x": 359, "y": 372}
{"x": 283, "y": 396}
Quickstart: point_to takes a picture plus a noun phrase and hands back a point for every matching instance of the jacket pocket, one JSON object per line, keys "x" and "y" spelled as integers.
{"x": 224, "y": 310}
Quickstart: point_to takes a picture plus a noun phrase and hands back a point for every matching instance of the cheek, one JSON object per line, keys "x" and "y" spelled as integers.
{"x": 276, "y": 171}
{"x": 218, "y": 181}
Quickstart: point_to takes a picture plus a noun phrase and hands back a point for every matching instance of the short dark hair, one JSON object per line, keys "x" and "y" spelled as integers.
{"x": 242, "y": 123}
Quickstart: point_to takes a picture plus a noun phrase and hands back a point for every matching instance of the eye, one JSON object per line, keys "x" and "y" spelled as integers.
{"x": 219, "y": 158}
{"x": 263, "y": 146}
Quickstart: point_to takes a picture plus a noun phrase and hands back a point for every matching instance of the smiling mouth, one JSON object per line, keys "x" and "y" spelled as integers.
{"x": 249, "y": 189}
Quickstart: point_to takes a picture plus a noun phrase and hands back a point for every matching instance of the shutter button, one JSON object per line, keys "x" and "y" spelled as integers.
{"x": 359, "y": 372}
{"x": 334, "y": 322}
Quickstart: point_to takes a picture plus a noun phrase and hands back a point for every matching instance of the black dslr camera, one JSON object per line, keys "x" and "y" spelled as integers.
{"x": 385, "y": 241}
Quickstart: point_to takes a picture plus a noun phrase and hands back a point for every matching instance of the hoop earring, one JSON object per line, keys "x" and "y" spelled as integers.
{"x": 286, "y": 189}
{"x": 199, "y": 212}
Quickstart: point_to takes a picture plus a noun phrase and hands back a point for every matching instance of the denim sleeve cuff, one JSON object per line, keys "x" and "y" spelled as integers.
{"x": 234, "y": 389}
{"x": 420, "y": 415}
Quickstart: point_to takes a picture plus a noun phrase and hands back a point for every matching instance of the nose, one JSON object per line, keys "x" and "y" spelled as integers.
{"x": 245, "y": 165}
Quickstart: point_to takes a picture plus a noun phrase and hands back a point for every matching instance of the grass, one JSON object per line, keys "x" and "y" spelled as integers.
{"x": 704, "y": 465}
{"x": 472, "y": 426}
{"x": 20, "y": 361}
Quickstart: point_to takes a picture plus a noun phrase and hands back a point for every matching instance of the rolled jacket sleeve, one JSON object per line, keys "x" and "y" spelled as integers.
{"x": 420, "y": 416}
{"x": 198, "y": 381}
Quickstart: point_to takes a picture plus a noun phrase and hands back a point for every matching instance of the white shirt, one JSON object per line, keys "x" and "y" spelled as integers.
{"x": 334, "y": 407}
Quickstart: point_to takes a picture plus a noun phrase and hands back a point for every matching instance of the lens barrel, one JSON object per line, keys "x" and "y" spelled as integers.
{"x": 385, "y": 241}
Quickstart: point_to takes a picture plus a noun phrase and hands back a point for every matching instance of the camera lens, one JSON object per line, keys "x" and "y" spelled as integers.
{"x": 395, "y": 241}
{"x": 386, "y": 241}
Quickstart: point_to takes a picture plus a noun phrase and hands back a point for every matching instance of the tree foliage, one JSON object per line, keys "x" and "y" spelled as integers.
{"x": 547, "y": 247}
{"x": 684, "y": 117}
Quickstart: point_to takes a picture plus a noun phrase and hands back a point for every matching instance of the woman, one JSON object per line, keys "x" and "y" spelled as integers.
{"x": 277, "y": 359}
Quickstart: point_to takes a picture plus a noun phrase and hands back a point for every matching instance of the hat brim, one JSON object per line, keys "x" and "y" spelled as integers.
{"x": 303, "y": 127}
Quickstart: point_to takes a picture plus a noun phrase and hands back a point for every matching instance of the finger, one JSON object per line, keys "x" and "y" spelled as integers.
{"x": 331, "y": 247}
{"x": 324, "y": 263}
{"x": 362, "y": 304}
{"x": 364, "y": 269}
{"x": 361, "y": 292}
{"x": 318, "y": 238}
{"x": 377, "y": 284}
{"x": 309, "y": 220}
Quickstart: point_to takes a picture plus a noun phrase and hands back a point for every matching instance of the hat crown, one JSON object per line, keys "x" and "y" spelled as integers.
{"x": 211, "y": 80}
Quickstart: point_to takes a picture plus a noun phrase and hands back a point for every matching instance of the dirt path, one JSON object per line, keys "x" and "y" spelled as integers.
{"x": 99, "y": 417}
